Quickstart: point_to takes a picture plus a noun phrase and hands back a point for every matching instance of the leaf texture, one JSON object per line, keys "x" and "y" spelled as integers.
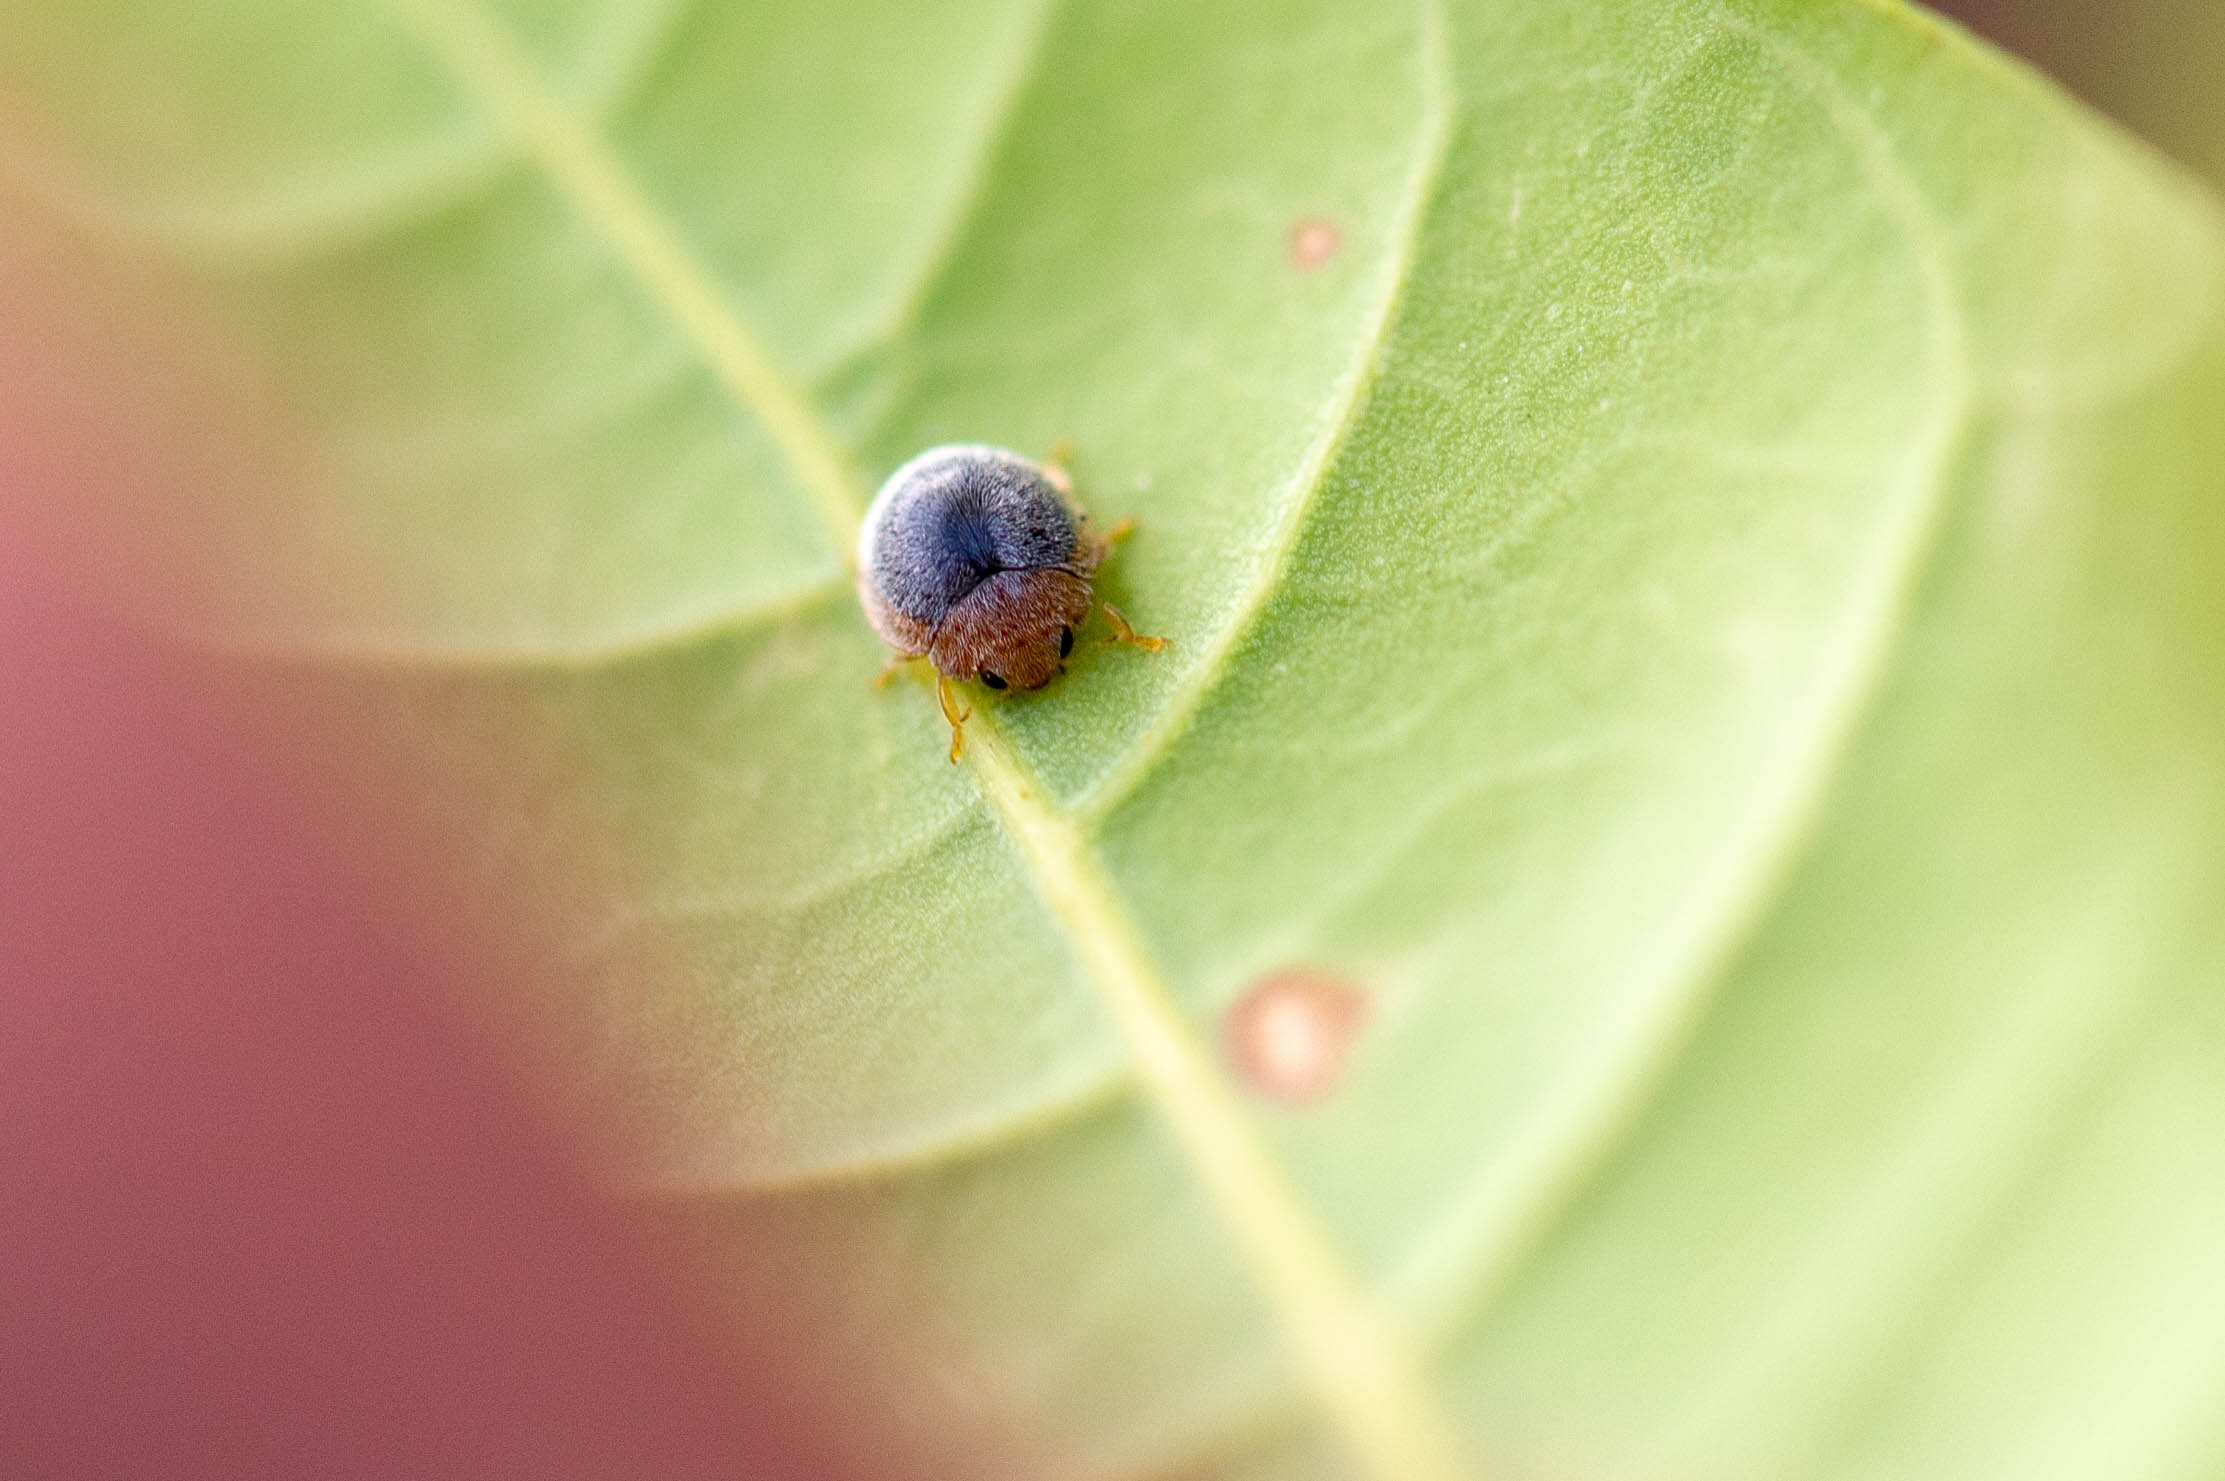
{"x": 1703, "y": 606}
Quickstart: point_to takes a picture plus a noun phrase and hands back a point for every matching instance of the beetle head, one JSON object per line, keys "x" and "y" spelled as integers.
{"x": 1014, "y": 629}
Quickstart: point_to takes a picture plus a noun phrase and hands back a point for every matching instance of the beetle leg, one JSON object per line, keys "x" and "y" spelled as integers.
{"x": 1055, "y": 466}
{"x": 957, "y": 717}
{"x": 1123, "y": 633}
{"x": 1101, "y": 546}
{"x": 896, "y": 666}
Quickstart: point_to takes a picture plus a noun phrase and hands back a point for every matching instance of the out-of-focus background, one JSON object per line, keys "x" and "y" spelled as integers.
{"x": 2156, "y": 65}
{"x": 443, "y": 1265}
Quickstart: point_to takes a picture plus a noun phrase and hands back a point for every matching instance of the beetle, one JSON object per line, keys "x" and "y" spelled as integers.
{"x": 980, "y": 561}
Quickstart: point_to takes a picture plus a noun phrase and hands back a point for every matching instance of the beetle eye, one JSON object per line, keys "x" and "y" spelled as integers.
{"x": 992, "y": 681}
{"x": 1065, "y": 641}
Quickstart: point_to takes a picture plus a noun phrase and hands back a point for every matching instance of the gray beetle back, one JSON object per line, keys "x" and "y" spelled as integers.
{"x": 953, "y": 517}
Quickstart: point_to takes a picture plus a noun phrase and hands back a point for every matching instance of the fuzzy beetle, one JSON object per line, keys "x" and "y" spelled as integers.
{"x": 978, "y": 560}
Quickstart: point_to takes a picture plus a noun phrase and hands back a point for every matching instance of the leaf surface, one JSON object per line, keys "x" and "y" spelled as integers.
{"x": 1703, "y": 608}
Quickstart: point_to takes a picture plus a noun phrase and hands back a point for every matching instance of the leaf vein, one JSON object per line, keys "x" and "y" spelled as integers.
{"x": 1357, "y": 1364}
{"x": 1010, "y": 78}
{"x": 1095, "y": 1088}
{"x": 570, "y": 658}
{"x": 607, "y": 197}
{"x": 1458, "y": 1269}
{"x": 1346, "y": 403}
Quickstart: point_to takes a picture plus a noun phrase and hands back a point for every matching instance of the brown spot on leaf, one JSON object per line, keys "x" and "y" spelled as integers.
{"x": 1289, "y": 1036}
{"x": 1313, "y": 241}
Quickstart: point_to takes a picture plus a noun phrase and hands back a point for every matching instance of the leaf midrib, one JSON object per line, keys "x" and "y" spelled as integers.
{"x": 1357, "y": 1364}
{"x": 492, "y": 70}
{"x": 1459, "y": 1266}
{"x": 1389, "y": 1420}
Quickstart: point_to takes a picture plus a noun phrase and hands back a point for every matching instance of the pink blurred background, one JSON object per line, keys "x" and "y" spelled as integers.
{"x": 278, "y": 1201}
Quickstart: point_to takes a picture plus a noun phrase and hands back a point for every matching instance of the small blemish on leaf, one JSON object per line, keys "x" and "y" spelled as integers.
{"x": 1313, "y": 241}
{"x": 1288, "y": 1037}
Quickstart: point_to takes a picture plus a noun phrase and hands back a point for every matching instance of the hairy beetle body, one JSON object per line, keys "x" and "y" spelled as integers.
{"x": 972, "y": 557}
{"x": 978, "y": 560}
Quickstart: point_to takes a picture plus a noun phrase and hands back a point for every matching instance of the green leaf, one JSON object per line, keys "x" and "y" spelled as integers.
{"x": 1704, "y": 607}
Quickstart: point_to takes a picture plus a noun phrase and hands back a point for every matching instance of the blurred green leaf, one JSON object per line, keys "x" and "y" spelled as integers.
{"x": 1705, "y": 607}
